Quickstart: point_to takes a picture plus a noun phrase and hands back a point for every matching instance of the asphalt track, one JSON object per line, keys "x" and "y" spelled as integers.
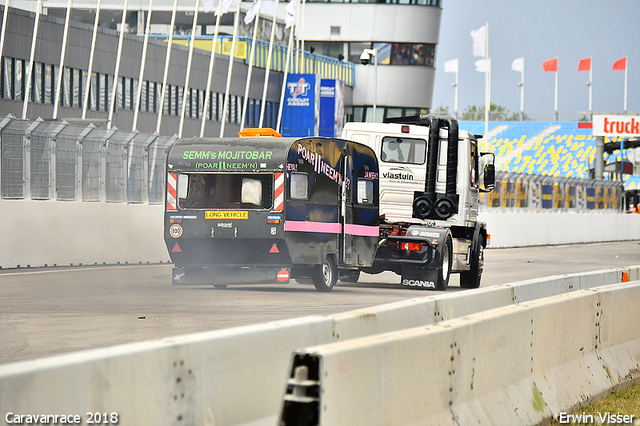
{"x": 51, "y": 311}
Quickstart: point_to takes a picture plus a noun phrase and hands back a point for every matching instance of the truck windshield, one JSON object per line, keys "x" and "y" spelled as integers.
{"x": 249, "y": 191}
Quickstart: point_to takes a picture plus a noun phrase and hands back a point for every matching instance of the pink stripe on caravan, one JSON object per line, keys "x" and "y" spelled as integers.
{"x": 323, "y": 227}
{"x": 362, "y": 230}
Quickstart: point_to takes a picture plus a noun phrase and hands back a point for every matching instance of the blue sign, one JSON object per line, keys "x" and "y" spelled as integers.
{"x": 300, "y": 105}
{"x": 331, "y": 107}
{"x": 591, "y": 198}
{"x": 547, "y": 196}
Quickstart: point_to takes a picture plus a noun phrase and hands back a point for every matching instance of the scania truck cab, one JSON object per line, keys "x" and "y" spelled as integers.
{"x": 430, "y": 182}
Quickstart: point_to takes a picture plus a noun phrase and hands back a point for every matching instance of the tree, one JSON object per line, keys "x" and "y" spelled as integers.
{"x": 496, "y": 113}
{"x": 441, "y": 111}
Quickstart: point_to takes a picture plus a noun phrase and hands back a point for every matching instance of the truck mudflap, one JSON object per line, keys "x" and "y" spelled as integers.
{"x": 433, "y": 274}
{"x": 223, "y": 276}
{"x": 420, "y": 277}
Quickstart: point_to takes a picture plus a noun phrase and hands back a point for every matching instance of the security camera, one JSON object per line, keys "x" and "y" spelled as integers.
{"x": 365, "y": 58}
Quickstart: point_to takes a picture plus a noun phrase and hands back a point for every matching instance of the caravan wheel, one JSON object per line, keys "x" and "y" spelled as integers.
{"x": 325, "y": 275}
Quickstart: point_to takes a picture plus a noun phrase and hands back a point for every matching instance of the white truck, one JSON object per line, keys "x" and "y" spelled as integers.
{"x": 429, "y": 197}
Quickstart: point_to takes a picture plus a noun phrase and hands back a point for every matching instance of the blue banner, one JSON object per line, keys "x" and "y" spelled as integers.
{"x": 331, "y": 107}
{"x": 300, "y": 105}
{"x": 327, "y": 108}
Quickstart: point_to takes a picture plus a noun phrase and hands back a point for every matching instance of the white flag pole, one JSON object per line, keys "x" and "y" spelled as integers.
{"x": 590, "y": 84}
{"x": 63, "y": 51}
{"x": 487, "y": 85}
{"x": 300, "y": 29}
{"x": 284, "y": 81}
{"x": 167, "y": 60}
{"x": 253, "y": 52}
{"x": 455, "y": 92}
{"x": 187, "y": 76}
{"x": 522, "y": 91}
{"x": 266, "y": 74}
{"x": 87, "y": 85}
{"x": 7, "y": 5}
{"x": 626, "y": 67}
{"x": 555, "y": 99}
{"x": 207, "y": 95}
{"x": 230, "y": 71}
{"x": 298, "y": 51}
{"x": 27, "y": 94}
{"x": 143, "y": 62}
{"x": 114, "y": 88}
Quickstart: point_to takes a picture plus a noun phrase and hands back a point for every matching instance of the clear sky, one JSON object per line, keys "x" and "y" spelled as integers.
{"x": 540, "y": 30}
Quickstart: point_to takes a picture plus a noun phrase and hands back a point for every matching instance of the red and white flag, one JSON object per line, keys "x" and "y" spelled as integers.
{"x": 620, "y": 64}
{"x": 584, "y": 65}
{"x": 551, "y": 65}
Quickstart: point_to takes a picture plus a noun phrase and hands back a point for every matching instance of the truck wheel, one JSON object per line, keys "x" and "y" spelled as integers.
{"x": 325, "y": 275}
{"x": 472, "y": 277}
{"x": 444, "y": 271}
{"x": 350, "y": 276}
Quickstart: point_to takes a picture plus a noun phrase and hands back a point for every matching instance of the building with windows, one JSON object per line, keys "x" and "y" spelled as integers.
{"x": 404, "y": 33}
{"x": 404, "y": 36}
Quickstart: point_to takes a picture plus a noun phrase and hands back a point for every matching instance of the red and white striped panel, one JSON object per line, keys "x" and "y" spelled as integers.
{"x": 278, "y": 193}
{"x": 171, "y": 192}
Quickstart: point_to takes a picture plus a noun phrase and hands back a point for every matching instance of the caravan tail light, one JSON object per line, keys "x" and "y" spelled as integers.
{"x": 273, "y": 220}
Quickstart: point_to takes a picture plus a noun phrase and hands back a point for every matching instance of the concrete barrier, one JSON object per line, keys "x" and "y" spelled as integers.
{"x": 518, "y": 364}
{"x": 47, "y": 233}
{"x": 236, "y": 376}
{"x": 223, "y": 377}
{"x": 617, "y": 323}
{"x": 565, "y": 365}
{"x": 559, "y": 228}
{"x": 74, "y": 232}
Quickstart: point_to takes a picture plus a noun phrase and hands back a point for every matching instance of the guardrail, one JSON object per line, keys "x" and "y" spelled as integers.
{"x": 324, "y": 66}
{"x": 519, "y": 192}
{"x": 237, "y": 376}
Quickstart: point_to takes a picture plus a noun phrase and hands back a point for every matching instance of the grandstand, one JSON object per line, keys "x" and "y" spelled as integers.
{"x": 543, "y": 148}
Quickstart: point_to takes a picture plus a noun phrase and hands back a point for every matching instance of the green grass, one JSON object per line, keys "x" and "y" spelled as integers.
{"x": 626, "y": 401}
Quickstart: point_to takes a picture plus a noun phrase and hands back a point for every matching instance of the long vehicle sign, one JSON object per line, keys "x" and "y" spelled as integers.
{"x": 226, "y": 214}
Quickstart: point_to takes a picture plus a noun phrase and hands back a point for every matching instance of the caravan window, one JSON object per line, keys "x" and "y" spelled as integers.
{"x": 249, "y": 191}
{"x": 299, "y": 186}
{"x": 365, "y": 191}
{"x": 403, "y": 150}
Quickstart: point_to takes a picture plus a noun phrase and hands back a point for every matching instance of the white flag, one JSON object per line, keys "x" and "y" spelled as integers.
{"x": 292, "y": 10}
{"x": 451, "y": 66}
{"x": 479, "y": 37}
{"x": 226, "y": 4}
{"x": 269, "y": 7}
{"x": 483, "y": 65}
{"x": 252, "y": 12}
{"x": 208, "y": 5}
{"x": 518, "y": 64}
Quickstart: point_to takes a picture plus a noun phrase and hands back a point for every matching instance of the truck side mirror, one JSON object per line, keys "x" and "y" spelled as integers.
{"x": 489, "y": 177}
{"x": 489, "y": 173}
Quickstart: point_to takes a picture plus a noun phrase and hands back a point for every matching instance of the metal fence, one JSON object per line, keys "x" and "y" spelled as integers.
{"x": 85, "y": 161}
{"x": 538, "y": 193}
{"x": 80, "y": 161}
